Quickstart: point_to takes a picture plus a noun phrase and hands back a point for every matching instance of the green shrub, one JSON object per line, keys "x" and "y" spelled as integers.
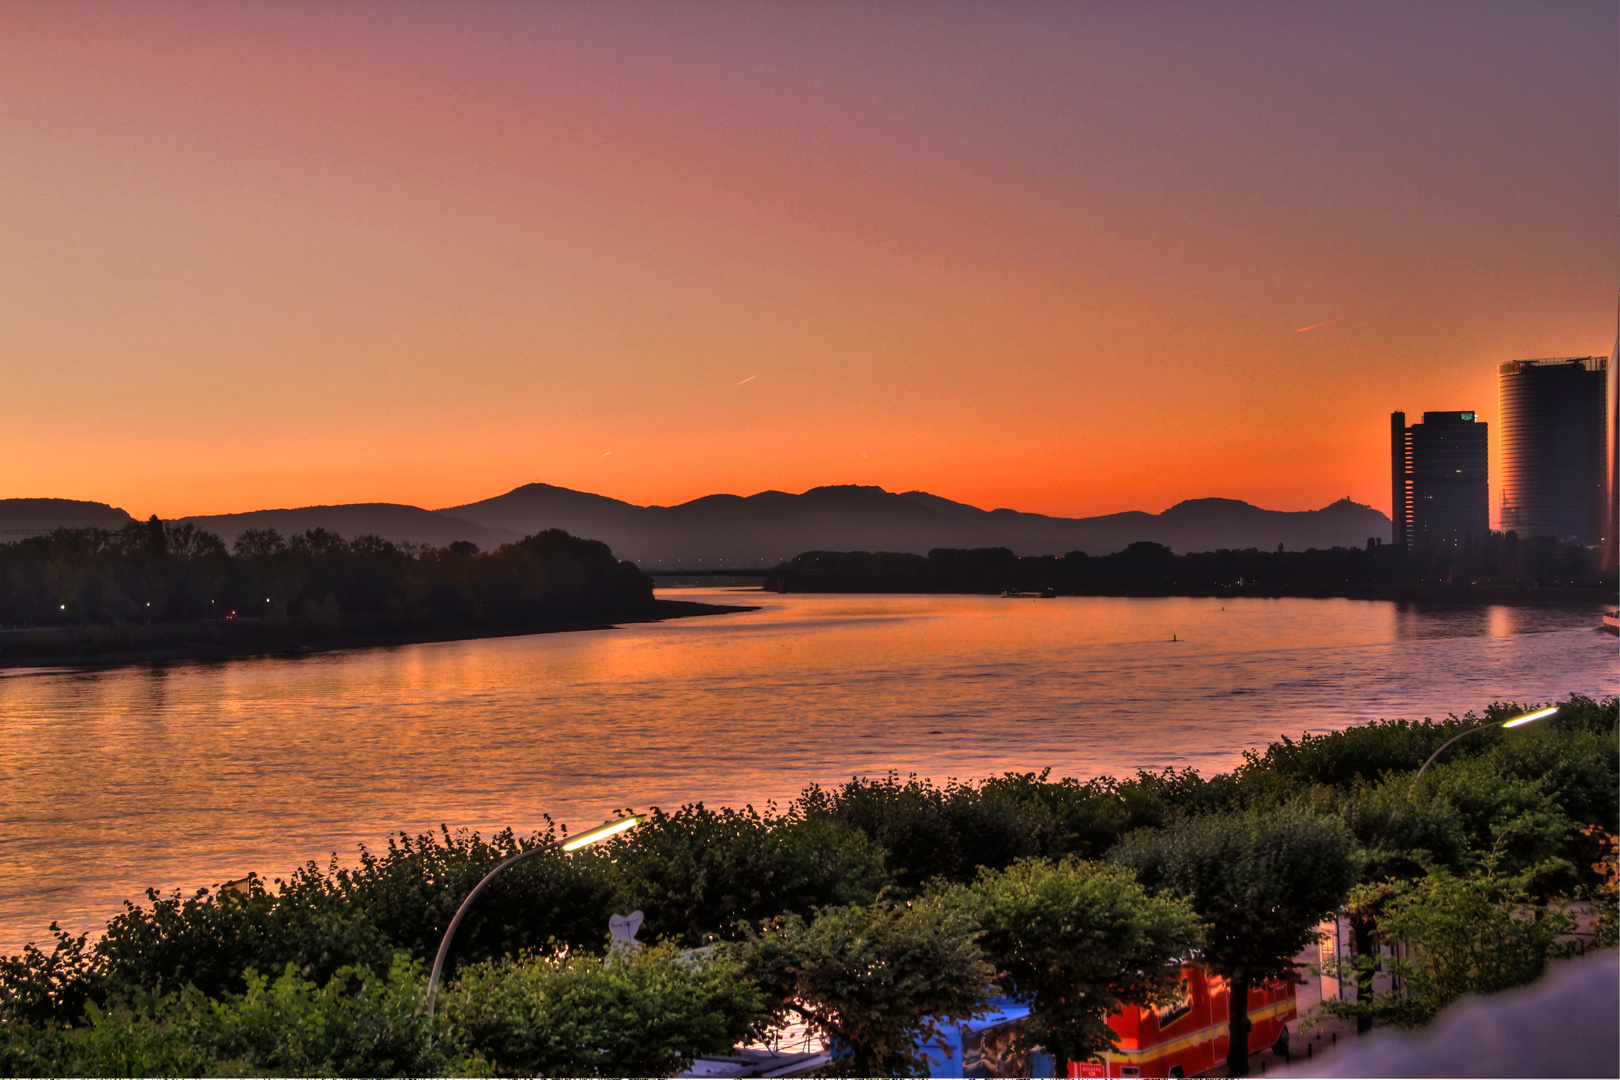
{"x": 643, "y": 1012}
{"x": 1076, "y": 940}
{"x": 696, "y": 872}
{"x": 1261, "y": 883}
{"x": 1466, "y": 935}
{"x": 320, "y": 921}
{"x": 354, "y": 1024}
{"x": 928, "y": 831}
{"x": 879, "y": 981}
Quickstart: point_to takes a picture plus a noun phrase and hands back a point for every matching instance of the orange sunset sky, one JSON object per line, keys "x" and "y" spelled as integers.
{"x": 1048, "y": 256}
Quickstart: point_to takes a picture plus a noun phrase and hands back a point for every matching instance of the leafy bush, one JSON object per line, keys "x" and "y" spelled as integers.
{"x": 354, "y": 1024}
{"x": 880, "y": 981}
{"x": 1606, "y": 896}
{"x": 1467, "y": 935}
{"x": 39, "y": 987}
{"x": 929, "y": 832}
{"x": 1260, "y": 882}
{"x": 1076, "y": 940}
{"x": 697, "y": 872}
{"x": 320, "y": 921}
{"x": 642, "y": 1012}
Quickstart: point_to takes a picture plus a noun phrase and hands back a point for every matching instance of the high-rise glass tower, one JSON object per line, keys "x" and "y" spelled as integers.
{"x": 1440, "y": 477}
{"x": 1555, "y": 447}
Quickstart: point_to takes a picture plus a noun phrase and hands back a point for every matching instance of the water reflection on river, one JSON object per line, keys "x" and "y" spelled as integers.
{"x": 189, "y": 774}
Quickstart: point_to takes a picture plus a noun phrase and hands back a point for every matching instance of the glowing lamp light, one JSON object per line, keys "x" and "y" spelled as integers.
{"x": 584, "y": 839}
{"x": 1527, "y": 718}
{"x": 601, "y": 832}
{"x": 1539, "y": 714}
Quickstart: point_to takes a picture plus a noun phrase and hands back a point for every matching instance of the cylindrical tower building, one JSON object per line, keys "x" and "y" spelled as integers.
{"x": 1555, "y": 447}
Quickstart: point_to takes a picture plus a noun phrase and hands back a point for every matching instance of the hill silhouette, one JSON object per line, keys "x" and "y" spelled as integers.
{"x": 1192, "y": 525}
{"x": 31, "y": 517}
{"x": 733, "y": 530}
{"x": 764, "y": 529}
{"x": 772, "y": 526}
{"x": 391, "y": 521}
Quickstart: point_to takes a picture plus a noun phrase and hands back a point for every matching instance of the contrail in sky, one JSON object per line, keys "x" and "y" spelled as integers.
{"x": 750, "y": 379}
{"x": 1341, "y": 318}
{"x": 1330, "y": 322}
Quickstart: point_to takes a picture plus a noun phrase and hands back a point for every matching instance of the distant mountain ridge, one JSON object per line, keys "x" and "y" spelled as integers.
{"x": 21, "y": 518}
{"x": 392, "y": 521}
{"x": 1207, "y": 524}
{"x": 772, "y": 526}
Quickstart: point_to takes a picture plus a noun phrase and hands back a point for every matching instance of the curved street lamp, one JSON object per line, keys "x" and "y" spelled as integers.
{"x": 1539, "y": 714}
{"x": 584, "y": 839}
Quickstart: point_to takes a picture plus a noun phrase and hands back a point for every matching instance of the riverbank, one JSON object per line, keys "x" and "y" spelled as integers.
{"x": 215, "y": 640}
{"x": 1438, "y": 594}
{"x": 1478, "y": 595}
{"x": 1475, "y": 595}
{"x": 1503, "y": 570}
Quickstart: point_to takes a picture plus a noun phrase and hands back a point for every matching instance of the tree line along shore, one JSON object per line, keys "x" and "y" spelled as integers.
{"x": 1494, "y": 568}
{"x": 158, "y": 590}
{"x": 877, "y": 910}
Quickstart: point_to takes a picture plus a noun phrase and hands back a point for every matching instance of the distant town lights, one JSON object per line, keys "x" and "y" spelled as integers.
{"x": 1539, "y": 714}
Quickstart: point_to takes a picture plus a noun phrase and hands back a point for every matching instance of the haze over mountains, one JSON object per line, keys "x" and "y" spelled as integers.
{"x": 718, "y": 531}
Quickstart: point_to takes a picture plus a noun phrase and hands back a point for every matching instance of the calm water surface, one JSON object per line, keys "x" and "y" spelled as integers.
{"x": 190, "y": 774}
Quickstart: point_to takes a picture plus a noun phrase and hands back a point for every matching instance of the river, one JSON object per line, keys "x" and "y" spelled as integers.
{"x": 189, "y": 774}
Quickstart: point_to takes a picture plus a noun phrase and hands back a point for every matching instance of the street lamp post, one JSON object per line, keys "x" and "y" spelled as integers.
{"x": 584, "y": 839}
{"x": 1539, "y": 714}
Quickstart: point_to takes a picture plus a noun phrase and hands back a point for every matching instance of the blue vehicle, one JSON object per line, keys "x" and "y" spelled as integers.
{"x": 983, "y": 1046}
{"x": 980, "y": 1047}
